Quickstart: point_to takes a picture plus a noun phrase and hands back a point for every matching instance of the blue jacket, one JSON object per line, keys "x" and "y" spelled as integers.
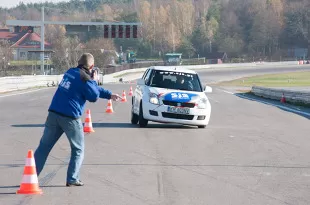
{"x": 74, "y": 90}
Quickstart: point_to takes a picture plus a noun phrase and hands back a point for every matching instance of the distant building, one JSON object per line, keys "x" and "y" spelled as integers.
{"x": 22, "y": 41}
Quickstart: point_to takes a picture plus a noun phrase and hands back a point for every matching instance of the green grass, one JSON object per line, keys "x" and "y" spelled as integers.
{"x": 294, "y": 79}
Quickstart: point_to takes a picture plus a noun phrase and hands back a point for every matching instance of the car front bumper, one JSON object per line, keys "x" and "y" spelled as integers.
{"x": 159, "y": 113}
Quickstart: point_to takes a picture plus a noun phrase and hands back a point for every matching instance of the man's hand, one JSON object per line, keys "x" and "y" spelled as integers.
{"x": 115, "y": 97}
{"x": 95, "y": 75}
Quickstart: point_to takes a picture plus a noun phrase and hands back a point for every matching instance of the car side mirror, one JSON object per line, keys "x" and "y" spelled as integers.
{"x": 208, "y": 89}
{"x": 140, "y": 81}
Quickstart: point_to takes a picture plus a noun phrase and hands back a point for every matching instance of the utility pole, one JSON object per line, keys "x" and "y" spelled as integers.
{"x": 210, "y": 46}
{"x": 172, "y": 31}
{"x": 42, "y": 41}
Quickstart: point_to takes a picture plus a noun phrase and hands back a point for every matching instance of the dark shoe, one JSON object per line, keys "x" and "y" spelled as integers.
{"x": 78, "y": 183}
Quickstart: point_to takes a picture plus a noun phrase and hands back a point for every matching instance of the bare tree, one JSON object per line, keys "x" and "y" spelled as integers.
{"x": 5, "y": 56}
{"x": 103, "y": 51}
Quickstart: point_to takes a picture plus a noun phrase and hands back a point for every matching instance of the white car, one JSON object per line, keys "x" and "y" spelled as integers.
{"x": 169, "y": 94}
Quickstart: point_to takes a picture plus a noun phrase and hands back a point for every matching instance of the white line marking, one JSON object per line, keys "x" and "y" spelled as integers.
{"x": 225, "y": 91}
{"x": 279, "y": 106}
{"x": 31, "y": 91}
{"x": 213, "y": 100}
{"x": 269, "y": 103}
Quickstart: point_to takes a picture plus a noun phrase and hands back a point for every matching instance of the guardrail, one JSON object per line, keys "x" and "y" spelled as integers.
{"x": 25, "y": 82}
{"x": 301, "y": 97}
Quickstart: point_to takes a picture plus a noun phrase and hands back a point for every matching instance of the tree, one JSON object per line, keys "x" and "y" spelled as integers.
{"x": 200, "y": 38}
{"x": 59, "y": 44}
{"x": 103, "y": 51}
{"x": 186, "y": 48}
{"x": 5, "y": 55}
{"x": 298, "y": 22}
{"x": 266, "y": 27}
{"x": 74, "y": 50}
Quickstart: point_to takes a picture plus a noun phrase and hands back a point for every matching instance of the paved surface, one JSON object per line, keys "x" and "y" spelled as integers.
{"x": 251, "y": 153}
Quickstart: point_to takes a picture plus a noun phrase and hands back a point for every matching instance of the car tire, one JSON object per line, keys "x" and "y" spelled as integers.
{"x": 202, "y": 126}
{"x": 142, "y": 122}
{"x": 134, "y": 117}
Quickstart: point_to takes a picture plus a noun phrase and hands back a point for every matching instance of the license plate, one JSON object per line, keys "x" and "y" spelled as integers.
{"x": 178, "y": 110}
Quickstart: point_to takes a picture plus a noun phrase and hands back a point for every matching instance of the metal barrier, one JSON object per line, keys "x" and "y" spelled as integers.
{"x": 302, "y": 97}
{"x": 29, "y": 81}
{"x": 110, "y": 74}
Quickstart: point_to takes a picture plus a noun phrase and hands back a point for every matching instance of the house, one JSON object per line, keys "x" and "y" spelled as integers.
{"x": 22, "y": 42}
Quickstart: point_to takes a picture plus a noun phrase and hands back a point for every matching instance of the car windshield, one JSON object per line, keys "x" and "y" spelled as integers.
{"x": 175, "y": 80}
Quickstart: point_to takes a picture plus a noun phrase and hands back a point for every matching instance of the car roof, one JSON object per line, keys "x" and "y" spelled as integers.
{"x": 173, "y": 68}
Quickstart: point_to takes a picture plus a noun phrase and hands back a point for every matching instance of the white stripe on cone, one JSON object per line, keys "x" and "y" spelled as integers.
{"x": 30, "y": 162}
{"x": 30, "y": 179}
{"x": 87, "y": 124}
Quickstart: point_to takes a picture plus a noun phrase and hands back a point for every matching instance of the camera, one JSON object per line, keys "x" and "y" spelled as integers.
{"x": 95, "y": 69}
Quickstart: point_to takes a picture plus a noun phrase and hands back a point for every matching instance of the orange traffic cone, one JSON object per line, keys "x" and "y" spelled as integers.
{"x": 29, "y": 184}
{"x": 124, "y": 99}
{"x": 109, "y": 107}
{"x": 283, "y": 100}
{"x": 130, "y": 92}
{"x": 88, "y": 126}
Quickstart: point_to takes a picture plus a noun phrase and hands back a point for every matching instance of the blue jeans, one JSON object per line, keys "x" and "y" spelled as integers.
{"x": 55, "y": 126}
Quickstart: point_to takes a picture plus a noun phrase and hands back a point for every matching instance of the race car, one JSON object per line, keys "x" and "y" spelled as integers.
{"x": 168, "y": 94}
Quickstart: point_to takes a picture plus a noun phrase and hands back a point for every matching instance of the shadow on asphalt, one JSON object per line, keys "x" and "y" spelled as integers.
{"x": 164, "y": 164}
{"x": 55, "y": 186}
{"x": 29, "y": 125}
{"x": 119, "y": 125}
{"x": 285, "y": 107}
{"x": 128, "y": 125}
{"x": 8, "y": 187}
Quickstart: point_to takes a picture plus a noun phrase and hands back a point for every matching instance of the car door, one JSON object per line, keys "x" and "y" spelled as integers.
{"x": 139, "y": 92}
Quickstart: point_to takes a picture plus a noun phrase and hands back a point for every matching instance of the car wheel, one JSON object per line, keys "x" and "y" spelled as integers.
{"x": 202, "y": 126}
{"x": 134, "y": 117}
{"x": 142, "y": 122}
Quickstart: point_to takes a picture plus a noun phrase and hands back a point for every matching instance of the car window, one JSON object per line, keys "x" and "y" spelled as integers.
{"x": 175, "y": 80}
{"x": 147, "y": 77}
{"x": 145, "y": 73}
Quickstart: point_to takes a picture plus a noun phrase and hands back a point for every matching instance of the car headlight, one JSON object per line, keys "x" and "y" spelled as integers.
{"x": 154, "y": 99}
{"x": 201, "y": 103}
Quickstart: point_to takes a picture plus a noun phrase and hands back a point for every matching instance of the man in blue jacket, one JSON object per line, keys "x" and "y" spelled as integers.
{"x": 77, "y": 86}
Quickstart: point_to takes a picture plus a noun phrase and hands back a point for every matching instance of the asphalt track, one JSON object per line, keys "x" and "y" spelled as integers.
{"x": 251, "y": 153}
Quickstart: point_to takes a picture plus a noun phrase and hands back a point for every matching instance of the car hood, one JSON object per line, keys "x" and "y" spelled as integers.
{"x": 177, "y": 95}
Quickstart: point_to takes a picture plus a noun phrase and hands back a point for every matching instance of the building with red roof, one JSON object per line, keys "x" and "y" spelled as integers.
{"x": 22, "y": 42}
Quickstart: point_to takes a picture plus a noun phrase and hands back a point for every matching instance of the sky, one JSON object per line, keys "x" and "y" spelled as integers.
{"x": 12, "y": 3}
